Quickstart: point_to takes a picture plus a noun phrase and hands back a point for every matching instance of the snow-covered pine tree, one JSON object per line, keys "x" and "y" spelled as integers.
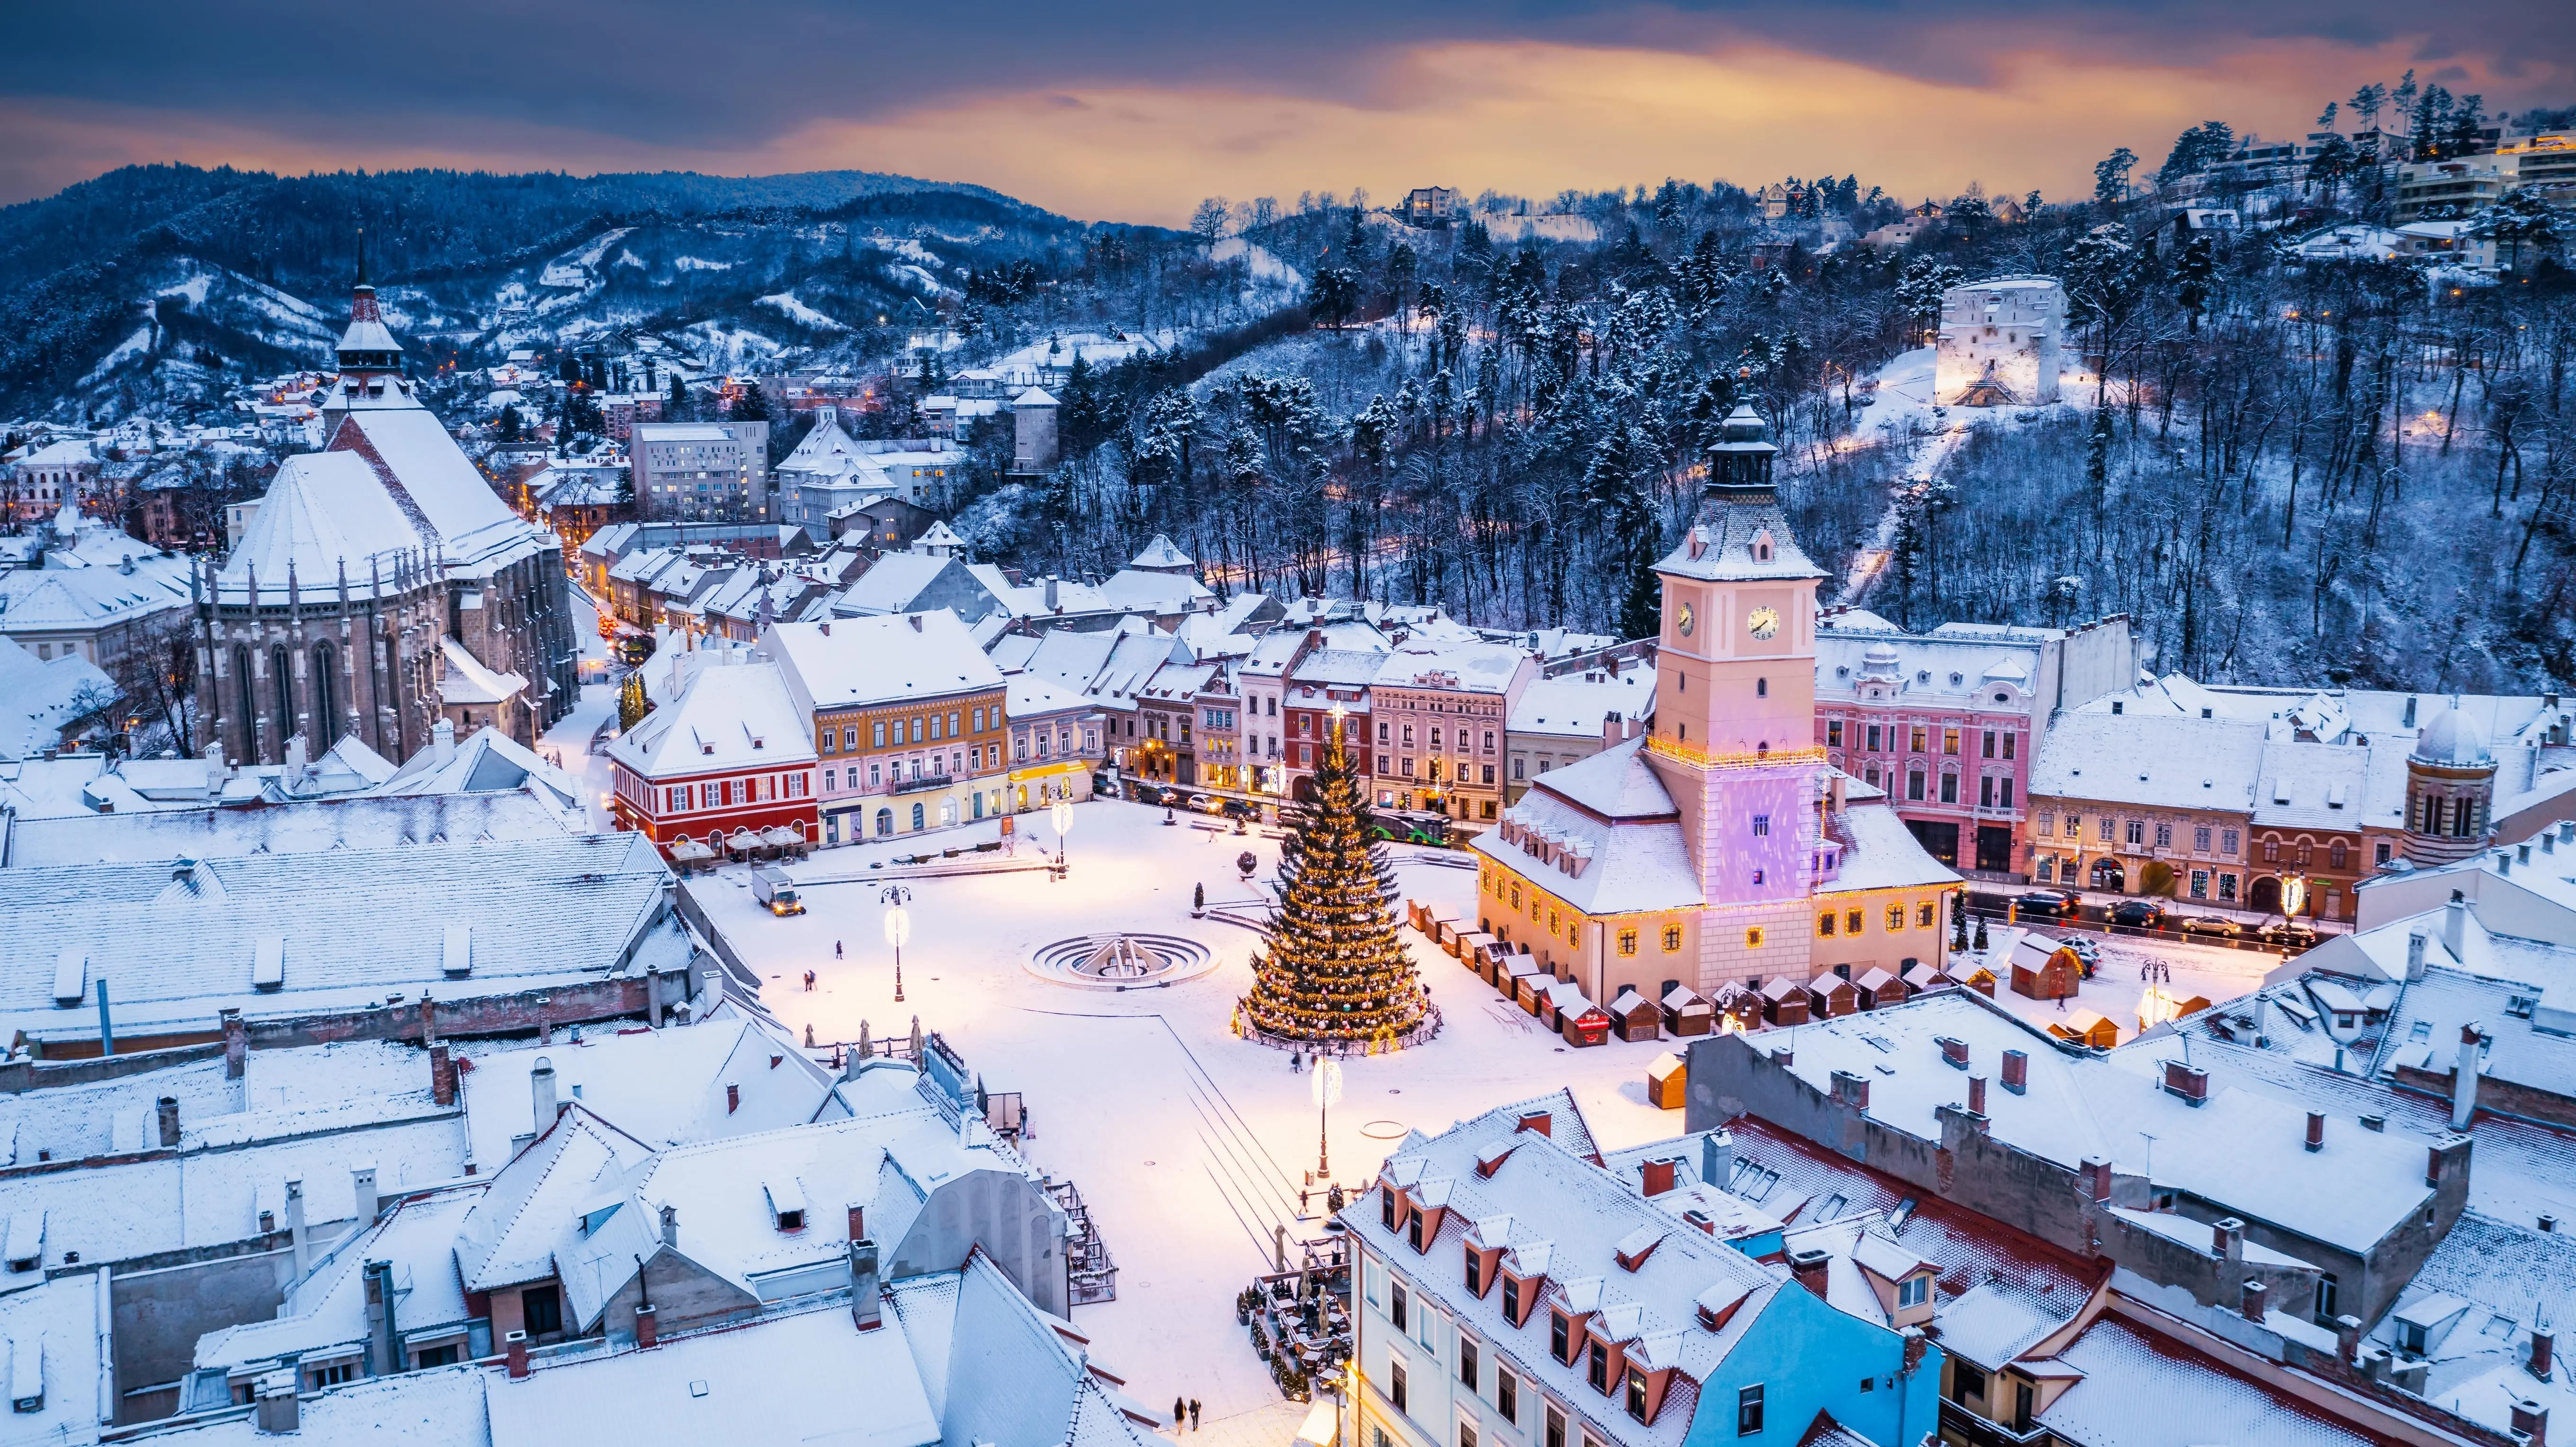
{"x": 1335, "y": 970}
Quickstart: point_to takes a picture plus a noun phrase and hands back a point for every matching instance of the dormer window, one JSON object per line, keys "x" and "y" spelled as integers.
{"x": 1762, "y": 546}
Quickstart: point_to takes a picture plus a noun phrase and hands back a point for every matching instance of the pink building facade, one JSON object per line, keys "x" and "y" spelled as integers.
{"x": 1949, "y": 722}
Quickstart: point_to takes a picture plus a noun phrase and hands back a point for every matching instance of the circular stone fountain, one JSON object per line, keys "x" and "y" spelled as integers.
{"x": 1123, "y": 961}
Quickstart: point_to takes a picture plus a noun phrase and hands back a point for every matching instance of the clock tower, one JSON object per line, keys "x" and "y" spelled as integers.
{"x": 1734, "y": 734}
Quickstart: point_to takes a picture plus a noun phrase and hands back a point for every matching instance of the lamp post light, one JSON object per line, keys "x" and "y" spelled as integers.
{"x": 898, "y": 929}
{"x": 1060, "y": 814}
{"x": 1326, "y": 1081}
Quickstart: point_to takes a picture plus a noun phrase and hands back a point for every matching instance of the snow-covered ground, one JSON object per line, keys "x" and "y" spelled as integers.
{"x": 786, "y": 304}
{"x": 2120, "y": 976}
{"x": 1189, "y": 1144}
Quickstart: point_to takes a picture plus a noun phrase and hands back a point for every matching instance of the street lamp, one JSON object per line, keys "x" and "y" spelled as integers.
{"x": 898, "y": 929}
{"x": 1060, "y": 814}
{"x": 1327, "y": 1085}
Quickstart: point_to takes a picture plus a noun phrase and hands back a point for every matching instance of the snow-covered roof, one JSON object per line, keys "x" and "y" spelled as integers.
{"x": 735, "y": 717}
{"x": 301, "y": 827}
{"x": 1881, "y": 853}
{"x": 1740, "y": 540}
{"x": 1030, "y": 696}
{"x": 1161, "y": 553}
{"x": 41, "y": 698}
{"x": 663, "y": 1087}
{"x": 466, "y": 680}
{"x": 326, "y": 1312}
{"x": 883, "y": 659}
{"x": 181, "y": 941}
{"x": 2152, "y": 760}
{"x": 325, "y": 513}
{"x": 1033, "y": 397}
{"x": 2349, "y": 1195}
{"x": 1574, "y": 705}
{"x": 439, "y": 487}
{"x": 1471, "y": 666}
{"x": 2139, "y": 1390}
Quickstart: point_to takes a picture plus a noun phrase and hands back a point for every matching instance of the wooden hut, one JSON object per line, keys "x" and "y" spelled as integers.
{"x": 1580, "y": 1021}
{"x": 1633, "y": 1017}
{"x": 1530, "y": 991}
{"x": 1736, "y": 1008}
{"x": 1470, "y": 945}
{"x": 1974, "y": 976}
{"x": 2088, "y": 1028}
{"x": 1922, "y": 979}
{"x": 1784, "y": 1001}
{"x": 1686, "y": 1014}
{"x": 2044, "y": 969}
{"x": 1667, "y": 1081}
{"x": 1829, "y": 995}
{"x": 1878, "y": 988}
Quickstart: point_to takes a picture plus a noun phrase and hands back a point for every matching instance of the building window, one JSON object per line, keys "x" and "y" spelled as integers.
{"x": 1627, "y": 942}
{"x": 1825, "y": 924}
{"x": 1761, "y": 826}
{"x": 2101, "y": 829}
{"x": 880, "y": 734}
{"x": 2199, "y": 838}
{"x": 2200, "y": 884}
{"x": 1748, "y": 1411}
{"x": 1925, "y": 913}
{"x": 1833, "y": 733}
{"x": 1467, "y": 1364}
{"x": 1507, "y": 1396}
{"x": 1913, "y": 1291}
{"x": 1853, "y": 922}
{"x": 1395, "y": 1386}
{"x": 1914, "y": 786}
{"x": 2227, "y": 844}
{"x": 1873, "y": 738}
{"x": 2338, "y": 855}
{"x": 2227, "y": 888}
{"x": 1475, "y": 1273}
{"x": 2006, "y": 792}
{"x": 1672, "y": 938}
{"x": 1986, "y": 744}
{"x": 1637, "y": 1393}
{"x": 917, "y": 816}
{"x": 1950, "y": 742}
{"x": 2008, "y": 744}
{"x": 1986, "y": 791}
{"x": 2379, "y": 852}
{"x": 1753, "y": 936}
{"x": 1517, "y": 761}
{"x": 1895, "y": 918}
{"x": 1466, "y": 1434}
{"x": 2045, "y": 825}
{"x": 2136, "y": 833}
{"x": 541, "y": 1311}
{"x": 1949, "y": 788}
{"x": 1560, "y": 1337}
{"x": 1554, "y": 1436}
{"x": 1396, "y": 1302}
{"x": 1597, "y": 1370}
{"x": 1915, "y": 737}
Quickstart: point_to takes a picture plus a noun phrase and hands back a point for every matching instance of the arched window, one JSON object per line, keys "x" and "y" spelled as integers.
{"x": 249, "y": 701}
{"x": 281, "y": 663}
{"x": 917, "y": 816}
{"x": 885, "y": 821}
{"x": 326, "y": 701}
{"x": 1761, "y": 688}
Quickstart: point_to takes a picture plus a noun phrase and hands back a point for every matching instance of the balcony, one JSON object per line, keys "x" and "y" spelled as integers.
{"x": 924, "y": 783}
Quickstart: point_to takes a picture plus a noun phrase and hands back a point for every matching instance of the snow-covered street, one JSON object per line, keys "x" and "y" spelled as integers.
{"x": 1190, "y": 1146}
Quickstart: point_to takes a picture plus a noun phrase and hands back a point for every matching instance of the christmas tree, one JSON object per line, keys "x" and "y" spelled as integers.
{"x": 1335, "y": 970}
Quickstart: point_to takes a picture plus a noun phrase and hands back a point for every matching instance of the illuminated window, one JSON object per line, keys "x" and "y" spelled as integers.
{"x": 1924, "y": 914}
{"x": 1627, "y": 942}
{"x": 1895, "y": 918}
{"x": 1672, "y": 938}
{"x": 1852, "y": 922}
{"x": 1825, "y": 924}
{"x": 1753, "y": 938}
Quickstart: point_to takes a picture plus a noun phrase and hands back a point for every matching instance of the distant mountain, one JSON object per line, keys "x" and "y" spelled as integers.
{"x": 159, "y": 283}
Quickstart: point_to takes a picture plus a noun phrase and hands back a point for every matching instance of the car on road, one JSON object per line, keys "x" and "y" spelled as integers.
{"x": 1242, "y": 809}
{"x": 2211, "y": 924}
{"x": 2085, "y": 950}
{"x": 2042, "y": 904}
{"x": 2287, "y": 936}
{"x": 1206, "y": 804}
{"x": 2138, "y": 913}
{"x": 1145, "y": 794}
{"x": 634, "y": 648}
{"x": 1409, "y": 826}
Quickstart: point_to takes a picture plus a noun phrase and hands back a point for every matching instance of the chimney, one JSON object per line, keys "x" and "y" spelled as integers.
{"x": 1537, "y": 1120}
{"x": 2097, "y": 1178}
{"x": 1612, "y": 730}
{"x": 2251, "y": 1301}
{"x": 2464, "y": 1076}
{"x": 2348, "y": 1340}
{"x": 858, "y": 1223}
{"x": 295, "y": 755}
{"x": 1916, "y": 1346}
{"x": 1954, "y": 1051}
{"x": 278, "y": 1406}
{"x": 541, "y": 1089}
{"x": 2188, "y": 1083}
{"x": 1051, "y": 604}
{"x": 2262, "y": 1016}
{"x": 914, "y": 619}
{"x": 362, "y": 1190}
{"x": 2455, "y": 924}
{"x": 1659, "y": 1176}
{"x": 295, "y": 1222}
{"x": 2531, "y": 1420}
{"x": 648, "y": 1330}
{"x": 169, "y": 1113}
{"x": 2316, "y": 1130}
{"x": 865, "y": 1307}
{"x": 516, "y": 1344}
{"x": 2016, "y": 1071}
{"x": 1717, "y": 1159}
{"x": 442, "y": 1076}
{"x": 1976, "y": 1095}
{"x": 2544, "y": 1349}
{"x": 442, "y": 742}
{"x": 1810, "y": 1269}
{"x": 671, "y": 1227}
{"x": 2227, "y": 1239}
{"x": 236, "y": 1045}
{"x": 1851, "y": 1090}
{"x": 2415, "y": 955}
{"x": 2548, "y": 1223}
{"x": 383, "y": 1331}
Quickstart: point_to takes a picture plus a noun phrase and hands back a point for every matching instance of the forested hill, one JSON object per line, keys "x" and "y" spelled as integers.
{"x": 82, "y": 271}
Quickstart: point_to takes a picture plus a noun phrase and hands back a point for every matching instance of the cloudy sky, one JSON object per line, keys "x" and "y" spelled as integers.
{"x": 1133, "y": 109}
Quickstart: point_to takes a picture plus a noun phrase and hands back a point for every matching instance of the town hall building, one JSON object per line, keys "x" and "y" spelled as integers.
{"x": 1721, "y": 847}
{"x": 381, "y": 586}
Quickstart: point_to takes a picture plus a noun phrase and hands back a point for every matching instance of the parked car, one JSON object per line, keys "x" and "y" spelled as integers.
{"x": 1242, "y": 809}
{"x": 1207, "y": 804}
{"x": 2140, "y": 913}
{"x": 1145, "y": 794}
{"x": 2211, "y": 924}
{"x": 2087, "y": 951}
{"x": 774, "y": 891}
{"x": 2042, "y": 904}
{"x": 2292, "y": 935}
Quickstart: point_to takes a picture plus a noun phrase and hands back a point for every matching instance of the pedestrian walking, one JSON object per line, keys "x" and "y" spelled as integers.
{"x": 1180, "y": 1413}
{"x": 1194, "y": 1414}
{"x": 809, "y": 982}
{"x": 836, "y": 949}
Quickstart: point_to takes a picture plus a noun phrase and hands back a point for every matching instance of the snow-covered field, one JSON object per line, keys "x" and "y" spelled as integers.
{"x": 2119, "y": 979}
{"x": 1189, "y": 1145}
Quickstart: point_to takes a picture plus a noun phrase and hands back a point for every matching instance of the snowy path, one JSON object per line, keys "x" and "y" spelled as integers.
{"x": 1189, "y": 1145}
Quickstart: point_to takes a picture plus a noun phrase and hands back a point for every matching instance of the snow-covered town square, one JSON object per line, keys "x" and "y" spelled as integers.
{"x": 1320, "y": 728}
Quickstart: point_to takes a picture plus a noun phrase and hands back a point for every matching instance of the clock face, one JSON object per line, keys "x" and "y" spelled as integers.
{"x": 1764, "y": 622}
{"x": 1686, "y": 621}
